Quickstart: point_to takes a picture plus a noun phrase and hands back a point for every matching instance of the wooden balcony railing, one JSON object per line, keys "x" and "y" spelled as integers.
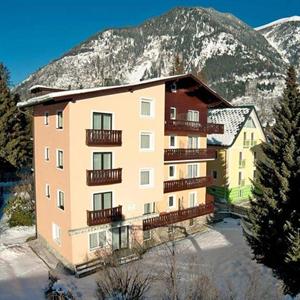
{"x": 191, "y": 126}
{"x": 242, "y": 163}
{"x": 186, "y": 184}
{"x": 184, "y": 125}
{"x": 215, "y": 128}
{"x": 165, "y": 219}
{"x": 102, "y": 177}
{"x": 97, "y": 137}
{"x": 104, "y": 216}
{"x": 186, "y": 154}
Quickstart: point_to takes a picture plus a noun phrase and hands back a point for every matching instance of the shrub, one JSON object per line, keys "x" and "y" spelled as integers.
{"x": 21, "y": 218}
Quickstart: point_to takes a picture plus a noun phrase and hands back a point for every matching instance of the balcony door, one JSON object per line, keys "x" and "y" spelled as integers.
{"x": 192, "y": 171}
{"x": 102, "y": 201}
{"x": 193, "y": 115}
{"x": 120, "y": 238}
{"x": 102, "y": 121}
{"x": 193, "y": 142}
{"x": 102, "y": 160}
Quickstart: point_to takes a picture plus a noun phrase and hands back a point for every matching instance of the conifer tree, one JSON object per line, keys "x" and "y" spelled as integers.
{"x": 275, "y": 209}
{"x": 15, "y": 128}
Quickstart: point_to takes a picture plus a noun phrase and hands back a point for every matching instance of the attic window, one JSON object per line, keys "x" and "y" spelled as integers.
{"x": 173, "y": 87}
{"x": 250, "y": 123}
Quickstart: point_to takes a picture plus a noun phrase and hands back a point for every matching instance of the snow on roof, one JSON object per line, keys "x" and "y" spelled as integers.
{"x": 36, "y": 86}
{"x": 53, "y": 95}
{"x": 280, "y": 21}
{"x": 233, "y": 120}
{"x": 41, "y": 99}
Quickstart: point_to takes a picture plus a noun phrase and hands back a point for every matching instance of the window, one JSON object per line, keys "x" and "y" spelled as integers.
{"x": 171, "y": 201}
{"x": 172, "y": 171}
{"x": 47, "y": 190}
{"x": 193, "y": 199}
{"x": 215, "y": 174}
{"x": 193, "y": 115}
{"x": 61, "y": 200}
{"x": 97, "y": 240}
{"x": 146, "y": 141}
{"x": 120, "y": 237}
{"x": 146, "y": 178}
{"x": 254, "y": 155}
{"x": 245, "y": 136}
{"x": 193, "y": 142}
{"x": 147, "y": 109}
{"x": 46, "y": 153}
{"x": 254, "y": 174}
{"x": 102, "y": 200}
{"x": 192, "y": 171}
{"x": 46, "y": 118}
{"x": 240, "y": 194}
{"x": 56, "y": 233}
{"x": 102, "y": 121}
{"x": 249, "y": 123}
{"x": 149, "y": 208}
{"x": 59, "y": 120}
{"x": 60, "y": 159}
{"x": 146, "y": 235}
{"x": 102, "y": 160}
{"x": 173, "y": 113}
{"x": 240, "y": 178}
{"x": 241, "y": 156}
{"x": 172, "y": 141}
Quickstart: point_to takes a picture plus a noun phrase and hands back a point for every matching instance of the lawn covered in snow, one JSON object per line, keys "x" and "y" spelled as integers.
{"x": 221, "y": 252}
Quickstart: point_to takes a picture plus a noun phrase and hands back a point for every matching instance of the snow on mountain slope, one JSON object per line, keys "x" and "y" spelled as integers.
{"x": 284, "y": 36}
{"x": 236, "y": 60}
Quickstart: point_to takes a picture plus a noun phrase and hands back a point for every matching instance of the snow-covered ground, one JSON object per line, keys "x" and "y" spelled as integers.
{"x": 221, "y": 252}
{"x": 22, "y": 274}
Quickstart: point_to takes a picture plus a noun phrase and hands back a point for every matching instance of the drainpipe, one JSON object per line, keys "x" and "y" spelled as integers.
{"x": 33, "y": 164}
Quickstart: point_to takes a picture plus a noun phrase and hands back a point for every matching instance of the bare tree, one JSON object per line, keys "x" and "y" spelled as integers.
{"x": 126, "y": 282}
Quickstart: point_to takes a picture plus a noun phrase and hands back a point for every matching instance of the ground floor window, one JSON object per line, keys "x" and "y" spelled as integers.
{"x": 56, "y": 233}
{"x": 120, "y": 237}
{"x": 97, "y": 240}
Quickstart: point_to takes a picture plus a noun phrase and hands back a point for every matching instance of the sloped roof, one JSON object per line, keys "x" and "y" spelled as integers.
{"x": 233, "y": 119}
{"x": 69, "y": 93}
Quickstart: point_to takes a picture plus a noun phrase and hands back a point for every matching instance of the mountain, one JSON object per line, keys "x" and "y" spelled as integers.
{"x": 284, "y": 36}
{"x": 236, "y": 60}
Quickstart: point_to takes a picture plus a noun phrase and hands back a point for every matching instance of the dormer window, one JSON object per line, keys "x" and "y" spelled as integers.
{"x": 173, "y": 87}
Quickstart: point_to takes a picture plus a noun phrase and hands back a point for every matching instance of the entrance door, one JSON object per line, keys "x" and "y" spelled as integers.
{"x": 102, "y": 160}
{"x": 120, "y": 238}
{"x": 102, "y": 121}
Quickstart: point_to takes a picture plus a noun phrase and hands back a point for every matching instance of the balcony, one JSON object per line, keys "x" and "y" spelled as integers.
{"x": 253, "y": 143}
{"x": 214, "y": 128}
{"x": 242, "y": 163}
{"x": 180, "y": 215}
{"x": 242, "y": 182}
{"x": 192, "y": 127}
{"x": 188, "y": 154}
{"x": 104, "y": 216}
{"x": 246, "y": 143}
{"x": 186, "y": 184}
{"x": 97, "y": 137}
{"x": 102, "y": 177}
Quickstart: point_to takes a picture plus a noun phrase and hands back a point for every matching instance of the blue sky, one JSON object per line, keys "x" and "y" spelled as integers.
{"x": 32, "y": 32}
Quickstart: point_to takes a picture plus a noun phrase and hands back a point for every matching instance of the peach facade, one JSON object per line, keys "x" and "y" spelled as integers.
{"x": 73, "y": 245}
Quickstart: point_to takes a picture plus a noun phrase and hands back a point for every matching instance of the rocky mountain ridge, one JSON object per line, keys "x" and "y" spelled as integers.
{"x": 242, "y": 64}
